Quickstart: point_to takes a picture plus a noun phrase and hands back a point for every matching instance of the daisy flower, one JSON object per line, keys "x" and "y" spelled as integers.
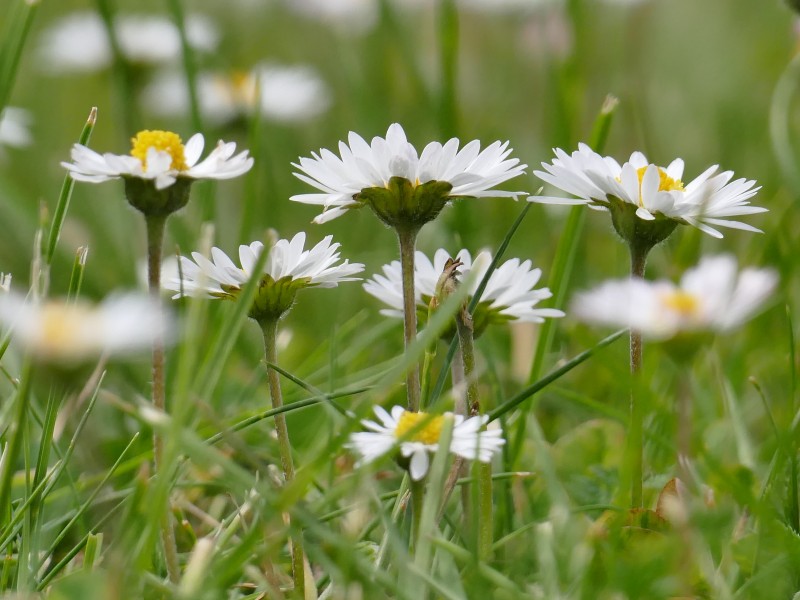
{"x": 417, "y": 436}
{"x": 79, "y": 42}
{"x": 713, "y": 296}
{"x": 281, "y": 93}
{"x": 404, "y": 188}
{"x": 350, "y": 16}
{"x": 160, "y": 157}
{"x": 70, "y": 332}
{"x": 506, "y": 6}
{"x": 15, "y": 127}
{"x": 652, "y": 192}
{"x": 288, "y": 268}
{"x": 509, "y": 294}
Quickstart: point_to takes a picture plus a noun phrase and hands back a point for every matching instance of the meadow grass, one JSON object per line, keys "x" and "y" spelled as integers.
{"x": 83, "y": 509}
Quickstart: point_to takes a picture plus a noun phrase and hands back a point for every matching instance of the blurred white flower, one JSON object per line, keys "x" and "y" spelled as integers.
{"x": 5, "y": 282}
{"x": 624, "y": 2}
{"x": 71, "y": 332}
{"x": 288, "y": 268}
{"x": 417, "y": 435}
{"x": 283, "y": 93}
{"x": 161, "y": 157}
{"x": 598, "y": 180}
{"x": 79, "y": 42}
{"x": 15, "y": 127}
{"x": 290, "y": 93}
{"x": 470, "y": 171}
{"x": 509, "y": 293}
{"x": 505, "y": 6}
{"x": 349, "y": 16}
{"x": 713, "y": 296}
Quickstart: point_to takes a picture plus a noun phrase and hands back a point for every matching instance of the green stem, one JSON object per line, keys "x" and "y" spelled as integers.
{"x": 417, "y": 501}
{"x": 485, "y": 510}
{"x": 121, "y": 70}
{"x": 458, "y": 379}
{"x": 269, "y": 327}
{"x": 485, "y": 518}
{"x": 15, "y": 442}
{"x": 407, "y": 239}
{"x": 636, "y": 440}
{"x": 459, "y": 468}
{"x": 155, "y": 242}
{"x": 684, "y": 425}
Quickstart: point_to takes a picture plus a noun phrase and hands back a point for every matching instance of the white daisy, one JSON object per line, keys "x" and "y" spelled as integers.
{"x": 350, "y": 16}
{"x": 160, "y": 157}
{"x": 287, "y": 269}
{"x": 15, "y": 127}
{"x": 470, "y": 171}
{"x": 417, "y": 435}
{"x": 79, "y": 42}
{"x": 509, "y": 294}
{"x": 281, "y": 93}
{"x": 506, "y": 6}
{"x": 654, "y": 191}
{"x": 713, "y": 296}
{"x": 71, "y": 332}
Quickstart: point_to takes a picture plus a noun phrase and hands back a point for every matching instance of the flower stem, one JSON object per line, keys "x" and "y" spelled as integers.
{"x": 417, "y": 500}
{"x": 407, "y": 238}
{"x": 155, "y": 241}
{"x": 636, "y": 440}
{"x": 269, "y": 327}
{"x": 485, "y": 519}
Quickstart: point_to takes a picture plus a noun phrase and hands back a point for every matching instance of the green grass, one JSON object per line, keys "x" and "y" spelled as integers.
{"x": 713, "y": 82}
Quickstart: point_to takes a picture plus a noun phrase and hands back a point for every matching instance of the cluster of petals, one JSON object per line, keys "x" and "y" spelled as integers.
{"x": 71, "y": 332}
{"x": 221, "y": 163}
{"x": 282, "y": 93}
{"x": 509, "y": 291}
{"x": 708, "y": 200}
{"x": 468, "y": 441}
{"x": 714, "y": 296}
{"x": 319, "y": 266}
{"x": 15, "y": 127}
{"x": 79, "y": 41}
{"x": 471, "y": 171}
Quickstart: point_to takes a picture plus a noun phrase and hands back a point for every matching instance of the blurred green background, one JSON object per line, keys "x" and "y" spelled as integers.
{"x": 695, "y": 79}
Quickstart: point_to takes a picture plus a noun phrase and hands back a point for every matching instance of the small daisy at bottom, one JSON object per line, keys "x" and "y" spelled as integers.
{"x": 417, "y": 435}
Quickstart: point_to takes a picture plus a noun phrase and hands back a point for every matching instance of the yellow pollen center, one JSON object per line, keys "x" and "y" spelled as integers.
{"x": 410, "y": 427}
{"x": 165, "y": 141}
{"x": 665, "y": 182}
{"x": 683, "y": 303}
{"x": 59, "y": 326}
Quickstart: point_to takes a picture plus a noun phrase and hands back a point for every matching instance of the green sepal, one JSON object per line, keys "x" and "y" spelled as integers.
{"x": 683, "y": 347}
{"x": 274, "y": 298}
{"x": 144, "y": 197}
{"x": 638, "y": 233}
{"x": 403, "y": 205}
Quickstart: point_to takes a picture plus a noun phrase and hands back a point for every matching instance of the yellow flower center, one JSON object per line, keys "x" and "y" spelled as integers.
{"x": 60, "y": 327}
{"x": 242, "y": 86}
{"x": 665, "y": 182}
{"x": 683, "y": 303}
{"x": 165, "y": 141}
{"x": 419, "y": 427}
